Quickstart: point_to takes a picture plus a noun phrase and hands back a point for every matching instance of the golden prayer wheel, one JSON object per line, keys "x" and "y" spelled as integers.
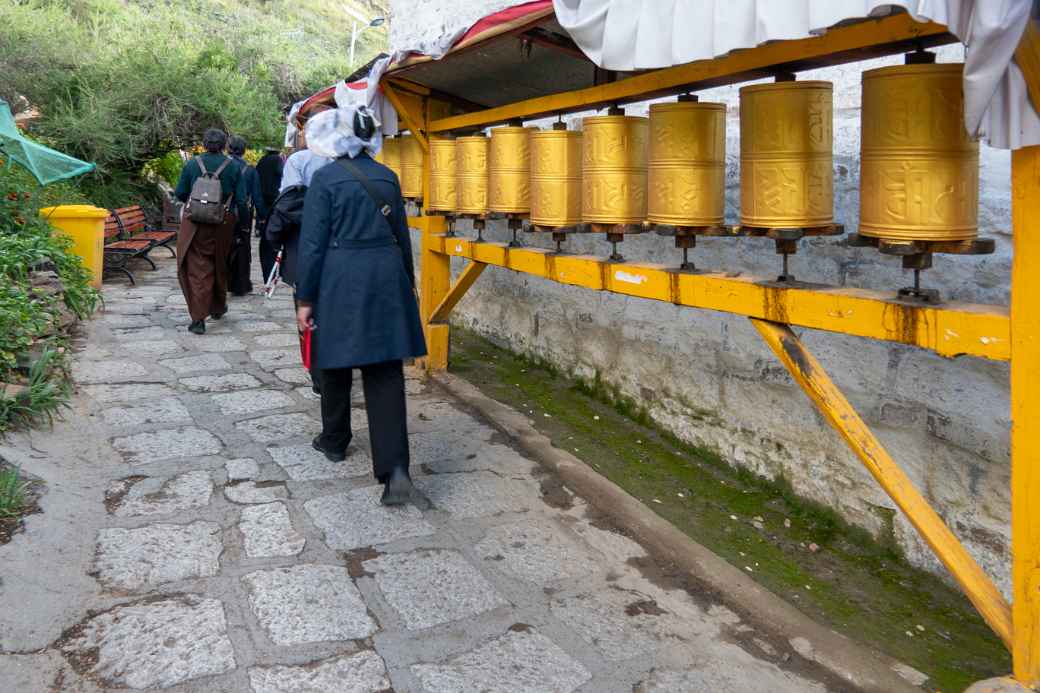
{"x": 509, "y": 169}
{"x": 391, "y": 153}
{"x": 442, "y": 175}
{"x": 411, "y": 167}
{"x": 555, "y": 178}
{"x": 471, "y": 157}
{"x": 786, "y": 176}
{"x": 687, "y": 176}
{"x": 920, "y": 169}
{"x": 614, "y": 169}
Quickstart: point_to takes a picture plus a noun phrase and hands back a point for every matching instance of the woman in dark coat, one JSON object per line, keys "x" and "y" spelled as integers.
{"x": 356, "y": 287}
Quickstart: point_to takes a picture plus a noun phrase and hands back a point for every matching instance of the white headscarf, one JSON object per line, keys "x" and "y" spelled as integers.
{"x": 331, "y": 133}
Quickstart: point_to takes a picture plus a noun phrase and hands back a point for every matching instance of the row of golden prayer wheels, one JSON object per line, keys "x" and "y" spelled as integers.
{"x": 919, "y": 168}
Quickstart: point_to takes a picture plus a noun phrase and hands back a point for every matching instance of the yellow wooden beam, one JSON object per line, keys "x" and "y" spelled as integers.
{"x": 949, "y": 329}
{"x": 434, "y": 283}
{"x": 839, "y": 413}
{"x": 410, "y": 108}
{"x": 1025, "y": 413}
{"x": 458, "y": 290}
{"x": 844, "y": 44}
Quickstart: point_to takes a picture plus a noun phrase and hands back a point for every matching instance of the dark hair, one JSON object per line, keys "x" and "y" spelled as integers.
{"x": 214, "y": 140}
{"x": 236, "y": 145}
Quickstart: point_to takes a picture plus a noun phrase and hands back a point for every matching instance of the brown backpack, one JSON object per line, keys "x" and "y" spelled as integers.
{"x": 205, "y": 203}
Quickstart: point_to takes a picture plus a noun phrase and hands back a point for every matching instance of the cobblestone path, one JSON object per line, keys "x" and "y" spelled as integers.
{"x": 226, "y": 555}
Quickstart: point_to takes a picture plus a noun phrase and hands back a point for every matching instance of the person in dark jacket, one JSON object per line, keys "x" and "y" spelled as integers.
{"x": 240, "y": 259}
{"x": 356, "y": 287}
{"x": 202, "y": 249}
{"x": 269, "y": 168}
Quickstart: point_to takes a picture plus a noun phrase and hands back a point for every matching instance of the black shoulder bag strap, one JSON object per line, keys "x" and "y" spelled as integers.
{"x": 381, "y": 204}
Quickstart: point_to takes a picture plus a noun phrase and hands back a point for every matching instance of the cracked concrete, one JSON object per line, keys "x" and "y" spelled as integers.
{"x": 191, "y": 540}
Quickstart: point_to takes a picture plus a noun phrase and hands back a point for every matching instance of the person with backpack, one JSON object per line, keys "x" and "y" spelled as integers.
{"x": 213, "y": 191}
{"x": 240, "y": 258}
{"x": 356, "y": 291}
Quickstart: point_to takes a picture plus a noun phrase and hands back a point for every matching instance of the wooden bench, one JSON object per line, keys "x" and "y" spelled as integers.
{"x": 135, "y": 227}
{"x": 120, "y": 250}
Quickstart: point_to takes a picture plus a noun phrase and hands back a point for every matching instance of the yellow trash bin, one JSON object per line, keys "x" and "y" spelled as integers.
{"x": 85, "y": 225}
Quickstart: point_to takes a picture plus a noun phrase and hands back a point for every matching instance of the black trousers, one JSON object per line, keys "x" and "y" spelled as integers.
{"x": 267, "y": 256}
{"x": 387, "y": 415}
{"x": 239, "y": 262}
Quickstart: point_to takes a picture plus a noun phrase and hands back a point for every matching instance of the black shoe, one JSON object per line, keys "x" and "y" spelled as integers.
{"x": 218, "y": 316}
{"x": 197, "y": 327}
{"x": 330, "y": 455}
{"x": 399, "y": 490}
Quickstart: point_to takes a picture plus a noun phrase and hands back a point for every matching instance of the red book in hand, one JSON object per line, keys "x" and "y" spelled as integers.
{"x": 305, "y": 348}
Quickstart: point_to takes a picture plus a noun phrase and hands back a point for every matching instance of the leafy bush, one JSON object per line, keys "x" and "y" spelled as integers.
{"x": 121, "y": 83}
{"x": 32, "y": 345}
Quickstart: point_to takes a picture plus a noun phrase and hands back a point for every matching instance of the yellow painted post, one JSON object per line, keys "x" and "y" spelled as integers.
{"x": 1025, "y": 413}
{"x": 810, "y": 375}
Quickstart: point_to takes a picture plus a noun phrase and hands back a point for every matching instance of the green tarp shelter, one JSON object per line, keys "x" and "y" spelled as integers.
{"x": 43, "y": 162}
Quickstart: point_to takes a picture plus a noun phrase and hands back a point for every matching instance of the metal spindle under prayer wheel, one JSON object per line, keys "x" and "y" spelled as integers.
{"x": 509, "y": 174}
{"x": 687, "y": 171}
{"x": 555, "y": 160}
{"x": 786, "y": 168}
{"x": 919, "y": 167}
{"x": 614, "y": 175}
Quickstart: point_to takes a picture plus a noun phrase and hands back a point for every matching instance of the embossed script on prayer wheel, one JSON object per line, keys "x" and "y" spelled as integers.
{"x": 556, "y": 178}
{"x": 687, "y": 177}
{"x": 920, "y": 169}
{"x": 786, "y": 178}
{"x": 509, "y": 170}
{"x": 442, "y": 175}
{"x": 614, "y": 168}
{"x": 391, "y": 153}
{"x": 411, "y": 167}
{"x": 471, "y": 161}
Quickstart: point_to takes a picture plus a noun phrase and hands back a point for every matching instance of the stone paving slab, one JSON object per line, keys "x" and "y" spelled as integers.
{"x": 356, "y": 519}
{"x": 252, "y": 401}
{"x": 130, "y": 559}
{"x": 520, "y": 660}
{"x": 304, "y": 463}
{"x": 279, "y": 427}
{"x": 430, "y": 587}
{"x": 268, "y": 532}
{"x": 538, "y": 552}
{"x": 155, "y": 643}
{"x": 167, "y": 444}
{"x": 193, "y": 364}
{"x": 106, "y": 371}
{"x": 220, "y": 383}
{"x": 363, "y": 672}
{"x": 255, "y": 492}
{"x": 149, "y": 496}
{"x": 168, "y": 410}
{"x": 132, "y": 392}
{"x": 479, "y": 494}
{"x": 308, "y": 603}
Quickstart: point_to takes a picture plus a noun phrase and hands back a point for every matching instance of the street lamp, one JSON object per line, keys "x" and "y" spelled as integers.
{"x": 378, "y": 21}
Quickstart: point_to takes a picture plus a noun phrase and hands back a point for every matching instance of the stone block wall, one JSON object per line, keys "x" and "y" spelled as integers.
{"x": 710, "y": 379}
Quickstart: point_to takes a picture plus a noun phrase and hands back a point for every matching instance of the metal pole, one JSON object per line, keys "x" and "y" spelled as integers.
{"x": 353, "y": 42}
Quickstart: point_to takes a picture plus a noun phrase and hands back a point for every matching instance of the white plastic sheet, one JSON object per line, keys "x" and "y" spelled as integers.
{"x": 644, "y": 34}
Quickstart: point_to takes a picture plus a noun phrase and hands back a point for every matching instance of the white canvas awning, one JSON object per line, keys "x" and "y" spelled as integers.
{"x": 627, "y": 35}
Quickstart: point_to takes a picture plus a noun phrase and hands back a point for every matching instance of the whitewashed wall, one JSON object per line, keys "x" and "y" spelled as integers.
{"x": 708, "y": 377}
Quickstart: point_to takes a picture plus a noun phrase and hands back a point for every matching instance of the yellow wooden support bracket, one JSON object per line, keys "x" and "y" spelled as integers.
{"x": 839, "y": 413}
{"x": 843, "y": 44}
{"x": 458, "y": 290}
{"x": 949, "y": 329}
{"x": 412, "y": 115}
{"x": 1025, "y": 413}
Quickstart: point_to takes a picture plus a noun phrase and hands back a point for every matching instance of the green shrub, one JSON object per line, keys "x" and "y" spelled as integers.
{"x": 32, "y": 347}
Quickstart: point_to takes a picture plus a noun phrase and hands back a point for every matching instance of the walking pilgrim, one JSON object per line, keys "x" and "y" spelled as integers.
{"x": 356, "y": 291}
{"x": 209, "y": 185}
